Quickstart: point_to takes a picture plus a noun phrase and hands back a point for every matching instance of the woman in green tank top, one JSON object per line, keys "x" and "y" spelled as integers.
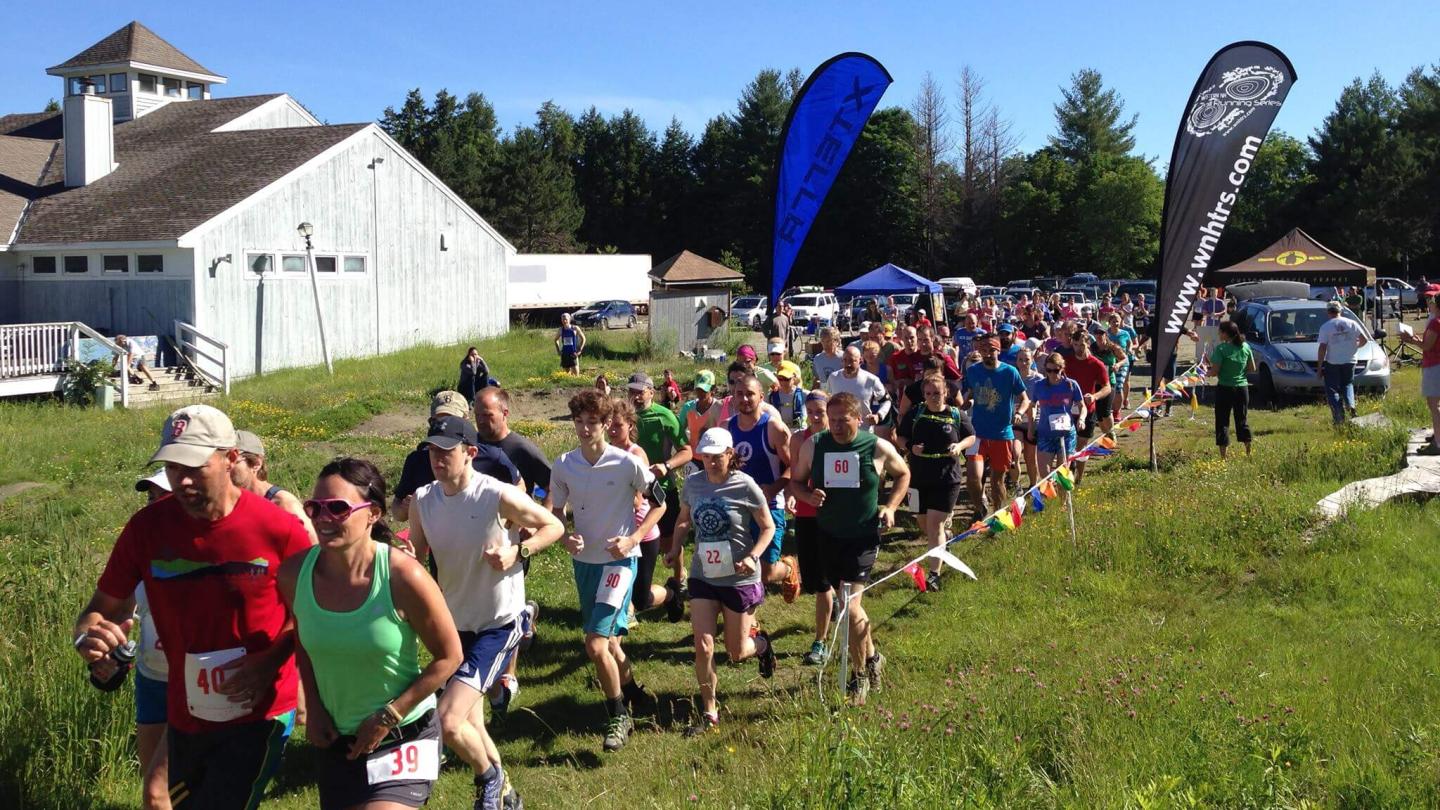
{"x": 361, "y": 607}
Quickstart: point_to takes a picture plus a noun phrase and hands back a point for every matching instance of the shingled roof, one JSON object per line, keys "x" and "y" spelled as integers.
{"x": 687, "y": 268}
{"x": 134, "y": 43}
{"x": 173, "y": 174}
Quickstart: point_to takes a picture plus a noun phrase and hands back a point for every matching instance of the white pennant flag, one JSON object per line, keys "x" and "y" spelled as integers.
{"x": 951, "y": 560}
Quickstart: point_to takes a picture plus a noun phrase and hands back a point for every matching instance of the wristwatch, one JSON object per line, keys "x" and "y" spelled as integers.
{"x": 524, "y": 551}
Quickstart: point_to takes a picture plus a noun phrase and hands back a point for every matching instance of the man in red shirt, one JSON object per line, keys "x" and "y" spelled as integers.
{"x": 208, "y": 557}
{"x": 1094, "y": 378}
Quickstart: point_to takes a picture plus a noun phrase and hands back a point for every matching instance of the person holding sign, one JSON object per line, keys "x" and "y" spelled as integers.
{"x": 208, "y": 557}
{"x": 721, "y": 504}
{"x": 936, "y": 435}
{"x": 838, "y": 472}
{"x": 1058, "y": 406}
{"x": 598, "y": 482}
{"x": 479, "y": 564}
{"x": 360, "y": 606}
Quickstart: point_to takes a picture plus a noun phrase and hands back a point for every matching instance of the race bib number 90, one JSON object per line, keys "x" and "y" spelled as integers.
{"x": 411, "y": 761}
{"x": 842, "y": 470}
{"x": 614, "y": 585}
{"x": 204, "y": 674}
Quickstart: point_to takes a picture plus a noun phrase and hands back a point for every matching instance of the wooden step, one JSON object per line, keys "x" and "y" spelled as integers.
{"x": 174, "y": 385}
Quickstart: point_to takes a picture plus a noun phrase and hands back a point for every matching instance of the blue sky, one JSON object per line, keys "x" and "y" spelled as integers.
{"x": 347, "y": 60}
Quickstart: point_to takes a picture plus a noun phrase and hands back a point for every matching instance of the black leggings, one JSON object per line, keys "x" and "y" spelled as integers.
{"x": 1232, "y": 398}
{"x": 644, "y": 572}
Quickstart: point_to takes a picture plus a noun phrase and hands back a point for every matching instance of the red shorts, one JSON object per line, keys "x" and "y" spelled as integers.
{"x": 999, "y": 454}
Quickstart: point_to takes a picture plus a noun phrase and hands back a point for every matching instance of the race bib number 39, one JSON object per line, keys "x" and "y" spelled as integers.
{"x": 614, "y": 585}
{"x": 409, "y": 761}
{"x": 716, "y": 560}
{"x": 842, "y": 470}
{"x": 204, "y": 674}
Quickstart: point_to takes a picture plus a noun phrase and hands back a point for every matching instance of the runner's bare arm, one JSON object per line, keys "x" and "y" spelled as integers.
{"x": 677, "y": 537}
{"x": 319, "y": 725}
{"x": 522, "y": 511}
{"x": 103, "y": 625}
{"x": 800, "y": 475}
{"x": 417, "y": 539}
{"x": 899, "y": 472}
{"x": 766, "y": 524}
{"x": 291, "y": 504}
{"x": 621, "y": 545}
{"x": 780, "y": 440}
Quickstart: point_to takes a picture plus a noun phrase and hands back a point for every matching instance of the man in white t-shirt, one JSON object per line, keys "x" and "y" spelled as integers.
{"x": 852, "y": 378}
{"x": 599, "y": 483}
{"x": 1339, "y": 338}
{"x": 458, "y": 519}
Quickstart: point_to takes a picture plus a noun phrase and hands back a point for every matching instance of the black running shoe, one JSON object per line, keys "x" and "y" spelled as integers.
{"x": 674, "y": 600}
{"x": 932, "y": 581}
{"x": 766, "y": 659}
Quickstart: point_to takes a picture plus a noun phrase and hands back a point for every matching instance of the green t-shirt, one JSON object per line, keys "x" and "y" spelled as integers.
{"x": 661, "y": 435}
{"x": 1231, "y": 361}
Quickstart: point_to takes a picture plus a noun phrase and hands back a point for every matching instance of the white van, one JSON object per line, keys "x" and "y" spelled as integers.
{"x": 957, "y": 284}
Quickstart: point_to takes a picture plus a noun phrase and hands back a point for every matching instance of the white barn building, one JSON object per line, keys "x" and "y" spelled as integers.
{"x": 146, "y": 202}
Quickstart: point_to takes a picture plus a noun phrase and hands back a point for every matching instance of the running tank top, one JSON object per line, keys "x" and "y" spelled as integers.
{"x": 852, "y": 505}
{"x": 459, "y": 528}
{"x": 803, "y": 509}
{"x": 272, "y": 492}
{"x": 567, "y": 338}
{"x": 757, "y": 458}
{"x": 372, "y": 639}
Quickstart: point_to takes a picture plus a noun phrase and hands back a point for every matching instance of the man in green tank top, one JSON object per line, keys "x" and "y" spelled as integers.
{"x": 838, "y": 472}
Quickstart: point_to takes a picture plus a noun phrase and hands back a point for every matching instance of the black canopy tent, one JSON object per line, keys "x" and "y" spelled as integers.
{"x": 1296, "y": 256}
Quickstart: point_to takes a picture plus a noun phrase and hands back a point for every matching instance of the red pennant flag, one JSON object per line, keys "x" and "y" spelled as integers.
{"x": 1016, "y": 508}
{"x": 913, "y": 569}
{"x": 1133, "y": 426}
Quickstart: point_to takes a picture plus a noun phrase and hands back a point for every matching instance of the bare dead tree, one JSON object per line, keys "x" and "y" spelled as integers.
{"x": 933, "y": 145}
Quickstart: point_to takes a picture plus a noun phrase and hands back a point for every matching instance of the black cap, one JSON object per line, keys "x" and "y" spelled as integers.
{"x": 448, "y": 431}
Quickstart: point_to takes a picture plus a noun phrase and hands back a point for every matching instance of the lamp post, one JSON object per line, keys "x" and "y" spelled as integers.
{"x": 305, "y": 230}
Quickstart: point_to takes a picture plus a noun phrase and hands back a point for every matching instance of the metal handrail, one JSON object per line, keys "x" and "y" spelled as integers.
{"x": 114, "y": 348}
{"x": 46, "y": 342}
{"x": 182, "y": 330}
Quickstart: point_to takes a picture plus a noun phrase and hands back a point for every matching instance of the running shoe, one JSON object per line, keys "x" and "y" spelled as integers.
{"x": 765, "y": 659}
{"x": 817, "y": 654}
{"x": 617, "y": 732}
{"x": 529, "y": 624}
{"x": 790, "y": 588}
{"x": 932, "y": 581}
{"x": 858, "y": 689}
{"x": 511, "y": 799}
{"x": 674, "y": 600}
{"x": 874, "y": 668}
{"x": 489, "y": 795}
{"x": 1428, "y": 450}
{"x": 509, "y": 688}
{"x": 704, "y": 725}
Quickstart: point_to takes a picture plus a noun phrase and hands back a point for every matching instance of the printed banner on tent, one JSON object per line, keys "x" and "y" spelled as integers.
{"x": 825, "y": 121}
{"x": 1226, "y": 120}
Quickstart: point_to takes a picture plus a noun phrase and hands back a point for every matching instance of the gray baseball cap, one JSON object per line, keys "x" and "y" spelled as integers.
{"x": 193, "y": 433}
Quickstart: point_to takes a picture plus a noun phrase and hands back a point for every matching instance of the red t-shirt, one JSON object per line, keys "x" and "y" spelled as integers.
{"x": 1091, "y": 373}
{"x": 211, "y": 587}
{"x": 1432, "y": 357}
{"x": 902, "y": 365}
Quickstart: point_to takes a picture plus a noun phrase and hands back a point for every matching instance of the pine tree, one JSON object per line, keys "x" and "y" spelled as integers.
{"x": 1088, "y": 120}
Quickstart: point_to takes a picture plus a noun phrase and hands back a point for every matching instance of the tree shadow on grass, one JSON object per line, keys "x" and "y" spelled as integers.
{"x": 598, "y": 350}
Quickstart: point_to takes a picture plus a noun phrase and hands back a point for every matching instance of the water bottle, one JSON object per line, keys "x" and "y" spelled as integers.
{"x": 124, "y": 658}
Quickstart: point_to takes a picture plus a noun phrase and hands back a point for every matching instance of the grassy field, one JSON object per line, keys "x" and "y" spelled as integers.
{"x": 1204, "y": 643}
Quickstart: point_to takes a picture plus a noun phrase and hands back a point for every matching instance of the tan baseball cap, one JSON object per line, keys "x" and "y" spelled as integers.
{"x": 250, "y": 443}
{"x": 192, "y": 433}
{"x": 449, "y": 403}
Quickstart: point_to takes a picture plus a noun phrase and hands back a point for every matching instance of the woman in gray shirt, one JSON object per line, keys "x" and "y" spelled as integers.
{"x": 719, "y": 503}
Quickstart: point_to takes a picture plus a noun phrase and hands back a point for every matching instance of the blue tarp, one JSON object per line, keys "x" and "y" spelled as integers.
{"x": 888, "y": 279}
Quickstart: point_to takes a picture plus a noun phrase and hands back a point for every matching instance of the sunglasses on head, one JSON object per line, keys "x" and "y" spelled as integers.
{"x": 332, "y": 508}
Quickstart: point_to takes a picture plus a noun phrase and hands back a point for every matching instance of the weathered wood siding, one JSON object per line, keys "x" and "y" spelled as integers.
{"x": 679, "y": 318}
{"x": 130, "y": 303}
{"x": 411, "y": 292}
{"x": 9, "y": 289}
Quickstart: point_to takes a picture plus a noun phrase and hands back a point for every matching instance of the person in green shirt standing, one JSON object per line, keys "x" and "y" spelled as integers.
{"x": 1230, "y": 361}
{"x": 667, "y": 446}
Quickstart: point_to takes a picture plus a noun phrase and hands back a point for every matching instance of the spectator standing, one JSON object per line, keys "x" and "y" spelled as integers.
{"x": 1229, "y": 363}
{"x": 1429, "y": 343}
{"x": 570, "y": 343}
{"x": 1339, "y": 339}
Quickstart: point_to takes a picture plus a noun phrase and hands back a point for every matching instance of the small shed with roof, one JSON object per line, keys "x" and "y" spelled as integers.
{"x": 689, "y": 302}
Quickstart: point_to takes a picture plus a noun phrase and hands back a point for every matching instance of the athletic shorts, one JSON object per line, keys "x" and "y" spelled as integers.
{"x": 149, "y": 700}
{"x": 772, "y": 551}
{"x": 1430, "y": 381}
{"x": 940, "y": 496}
{"x": 1057, "y": 444}
{"x": 807, "y": 548}
{"x": 343, "y": 782}
{"x": 999, "y": 454}
{"x": 568, "y": 359}
{"x": 226, "y": 769}
{"x": 734, "y": 598}
{"x": 486, "y": 654}
{"x": 1103, "y": 407}
{"x": 1086, "y": 430}
{"x": 602, "y": 619}
{"x": 848, "y": 559}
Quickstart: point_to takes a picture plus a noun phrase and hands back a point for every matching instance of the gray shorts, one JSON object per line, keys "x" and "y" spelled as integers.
{"x": 1430, "y": 382}
{"x": 343, "y": 782}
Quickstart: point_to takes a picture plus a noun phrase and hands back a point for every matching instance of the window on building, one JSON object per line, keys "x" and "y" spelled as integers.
{"x": 324, "y": 264}
{"x": 77, "y": 264}
{"x": 119, "y": 82}
{"x": 150, "y": 263}
{"x": 77, "y": 84}
{"x": 43, "y": 264}
{"x": 148, "y": 83}
{"x": 194, "y": 90}
{"x": 172, "y": 87}
{"x": 116, "y": 263}
{"x": 293, "y": 264}
{"x": 354, "y": 264}
{"x": 259, "y": 262}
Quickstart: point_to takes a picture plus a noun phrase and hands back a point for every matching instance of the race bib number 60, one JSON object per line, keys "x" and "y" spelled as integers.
{"x": 614, "y": 585}
{"x": 842, "y": 470}
{"x": 411, "y": 761}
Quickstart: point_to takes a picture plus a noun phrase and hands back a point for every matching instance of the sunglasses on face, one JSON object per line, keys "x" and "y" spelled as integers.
{"x": 336, "y": 509}
{"x": 1051, "y": 370}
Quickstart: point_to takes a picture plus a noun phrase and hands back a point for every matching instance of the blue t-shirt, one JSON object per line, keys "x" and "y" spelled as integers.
{"x": 1053, "y": 399}
{"x": 963, "y": 339}
{"x": 993, "y": 392}
{"x": 1009, "y": 355}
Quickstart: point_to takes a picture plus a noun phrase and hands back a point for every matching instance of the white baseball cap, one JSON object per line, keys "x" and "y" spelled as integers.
{"x": 159, "y": 479}
{"x": 193, "y": 433}
{"x": 715, "y": 440}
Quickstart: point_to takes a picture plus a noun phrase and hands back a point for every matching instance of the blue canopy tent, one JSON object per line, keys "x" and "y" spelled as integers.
{"x": 888, "y": 279}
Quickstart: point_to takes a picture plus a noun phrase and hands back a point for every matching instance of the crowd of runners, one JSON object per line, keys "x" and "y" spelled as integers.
{"x": 251, "y": 603}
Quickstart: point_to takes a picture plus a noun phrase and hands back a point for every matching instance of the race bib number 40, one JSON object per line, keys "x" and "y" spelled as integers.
{"x": 842, "y": 470}
{"x": 716, "y": 560}
{"x": 614, "y": 585}
{"x": 411, "y": 761}
{"x": 204, "y": 673}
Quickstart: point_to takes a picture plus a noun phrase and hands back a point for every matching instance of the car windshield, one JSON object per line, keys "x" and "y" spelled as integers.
{"x": 747, "y": 303}
{"x": 1299, "y": 325}
{"x": 904, "y": 299}
{"x": 804, "y": 301}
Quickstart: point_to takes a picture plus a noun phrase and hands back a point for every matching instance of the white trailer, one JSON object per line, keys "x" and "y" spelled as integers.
{"x": 569, "y": 281}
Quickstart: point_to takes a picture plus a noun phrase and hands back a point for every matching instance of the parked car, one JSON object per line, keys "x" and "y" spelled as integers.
{"x": 859, "y": 303}
{"x": 1081, "y": 278}
{"x": 1393, "y": 290}
{"x": 749, "y": 310}
{"x": 606, "y": 315}
{"x": 1134, "y": 288}
{"x": 1076, "y": 298}
{"x": 988, "y": 291}
{"x": 1282, "y": 333}
{"x": 903, "y": 303}
{"x": 1048, "y": 284}
{"x": 810, "y": 304}
{"x": 956, "y": 284}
